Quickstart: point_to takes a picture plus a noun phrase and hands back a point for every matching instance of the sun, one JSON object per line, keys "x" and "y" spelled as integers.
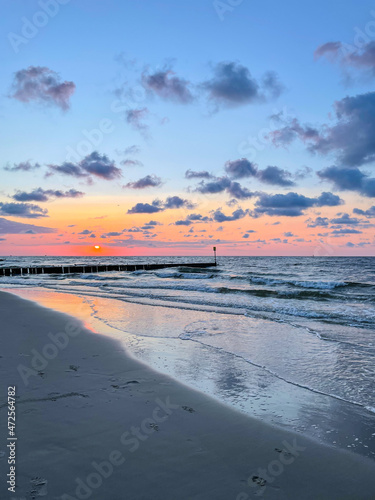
{"x": 97, "y": 247}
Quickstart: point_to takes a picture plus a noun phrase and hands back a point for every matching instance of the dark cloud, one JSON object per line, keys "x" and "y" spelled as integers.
{"x": 237, "y": 191}
{"x": 145, "y": 182}
{"x": 154, "y": 223}
{"x": 233, "y": 85}
{"x": 242, "y": 168}
{"x": 276, "y": 176}
{"x": 43, "y": 86}
{"x": 345, "y": 219}
{"x": 172, "y": 202}
{"x": 203, "y": 174}
{"x": 340, "y": 232}
{"x": 67, "y": 169}
{"x": 318, "y": 222}
{"x": 291, "y": 204}
{"x": 85, "y": 231}
{"x": 93, "y": 164}
{"x": 218, "y": 185}
{"x": 100, "y": 166}
{"x": 328, "y": 200}
{"x": 40, "y": 194}
{"x": 185, "y": 222}
{"x": 25, "y": 210}
{"x": 191, "y": 219}
{"x": 168, "y": 86}
{"x": 239, "y": 169}
{"x": 146, "y": 208}
{"x": 350, "y": 139}
{"x": 218, "y": 215}
{"x": 10, "y": 227}
{"x": 111, "y": 234}
{"x": 349, "y": 179}
{"x": 177, "y": 202}
{"x": 25, "y": 166}
{"x": 367, "y": 213}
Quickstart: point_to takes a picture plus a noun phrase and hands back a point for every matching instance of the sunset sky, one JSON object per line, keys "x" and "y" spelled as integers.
{"x": 164, "y": 128}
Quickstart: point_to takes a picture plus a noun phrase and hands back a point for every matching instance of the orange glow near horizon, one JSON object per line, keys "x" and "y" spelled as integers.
{"x": 78, "y": 225}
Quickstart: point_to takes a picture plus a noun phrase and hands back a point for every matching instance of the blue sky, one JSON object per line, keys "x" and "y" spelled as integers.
{"x": 108, "y": 53}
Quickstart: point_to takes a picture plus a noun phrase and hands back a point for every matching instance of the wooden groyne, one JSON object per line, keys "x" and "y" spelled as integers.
{"x": 22, "y": 271}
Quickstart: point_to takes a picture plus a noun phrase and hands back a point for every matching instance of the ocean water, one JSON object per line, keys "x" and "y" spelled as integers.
{"x": 290, "y": 340}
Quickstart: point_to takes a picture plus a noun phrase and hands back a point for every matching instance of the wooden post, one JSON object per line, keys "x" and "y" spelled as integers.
{"x": 215, "y": 254}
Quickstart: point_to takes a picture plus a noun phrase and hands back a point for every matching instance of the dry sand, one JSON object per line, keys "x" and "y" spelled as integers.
{"x": 92, "y": 422}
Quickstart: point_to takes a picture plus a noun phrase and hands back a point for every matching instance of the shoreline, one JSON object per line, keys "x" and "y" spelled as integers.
{"x": 225, "y": 377}
{"x": 99, "y": 416}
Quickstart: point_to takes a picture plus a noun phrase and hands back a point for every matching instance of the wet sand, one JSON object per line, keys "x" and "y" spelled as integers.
{"x": 92, "y": 422}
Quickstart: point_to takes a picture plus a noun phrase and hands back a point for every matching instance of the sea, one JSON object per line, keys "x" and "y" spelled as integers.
{"x": 290, "y": 340}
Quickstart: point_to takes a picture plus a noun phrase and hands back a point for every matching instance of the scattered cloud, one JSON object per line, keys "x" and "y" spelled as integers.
{"x": 293, "y": 130}
{"x": 130, "y": 150}
{"x": 233, "y": 85}
{"x": 93, "y": 164}
{"x": 349, "y": 56}
{"x": 345, "y": 219}
{"x": 24, "y": 210}
{"x": 191, "y": 219}
{"x": 146, "y": 208}
{"x": 43, "y": 86}
{"x": 276, "y": 176}
{"x": 172, "y": 202}
{"x": 145, "y": 182}
{"x": 41, "y": 195}
{"x": 218, "y": 215}
{"x": 131, "y": 163}
{"x": 349, "y": 179}
{"x": 350, "y": 139}
{"x": 292, "y": 204}
{"x": 135, "y": 117}
{"x": 343, "y": 232}
{"x": 367, "y": 213}
{"x": 25, "y": 166}
{"x": 237, "y": 191}
{"x": 239, "y": 169}
{"x": 318, "y": 222}
{"x": 11, "y": 227}
{"x": 202, "y": 174}
{"x": 168, "y": 86}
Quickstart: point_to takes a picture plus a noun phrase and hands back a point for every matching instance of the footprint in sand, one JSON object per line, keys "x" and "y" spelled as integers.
{"x": 38, "y": 487}
{"x": 187, "y": 408}
{"x": 286, "y": 453}
{"x": 258, "y": 480}
{"x": 73, "y": 367}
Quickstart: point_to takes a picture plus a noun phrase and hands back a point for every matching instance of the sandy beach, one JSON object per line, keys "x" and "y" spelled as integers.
{"x": 92, "y": 422}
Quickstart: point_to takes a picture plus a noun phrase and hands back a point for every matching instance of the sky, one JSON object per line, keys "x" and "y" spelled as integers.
{"x": 133, "y": 127}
